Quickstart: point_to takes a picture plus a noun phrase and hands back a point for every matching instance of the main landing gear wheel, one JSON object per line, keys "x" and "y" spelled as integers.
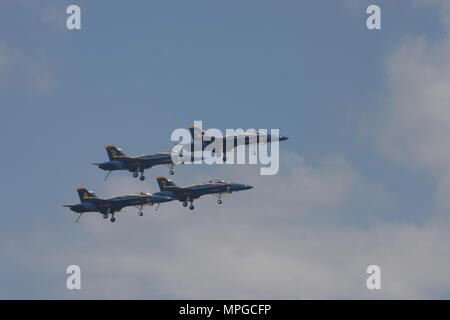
{"x": 185, "y": 204}
{"x": 219, "y": 201}
{"x": 142, "y": 178}
{"x": 105, "y": 216}
{"x": 170, "y": 165}
{"x": 135, "y": 175}
{"x": 191, "y": 207}
{"x": 140, "y": 214}
{"x": 113, "y": 219}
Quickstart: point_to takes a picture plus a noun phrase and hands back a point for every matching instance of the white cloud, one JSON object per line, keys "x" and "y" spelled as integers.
{"x": 412, "y": 124}
{"x": 255, "y": 245}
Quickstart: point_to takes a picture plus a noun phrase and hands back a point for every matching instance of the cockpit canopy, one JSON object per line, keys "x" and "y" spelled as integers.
{"x": 218, "y": 181}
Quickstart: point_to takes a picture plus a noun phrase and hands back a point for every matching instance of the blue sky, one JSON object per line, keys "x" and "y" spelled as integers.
{"x": 358, "y": 162}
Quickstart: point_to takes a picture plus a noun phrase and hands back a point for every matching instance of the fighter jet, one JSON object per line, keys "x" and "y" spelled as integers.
{"x": 137, "y": 164}
{"x": 230, "y": 142}
{"x": 195, "y": 191}
{"x": 109, "y": 206}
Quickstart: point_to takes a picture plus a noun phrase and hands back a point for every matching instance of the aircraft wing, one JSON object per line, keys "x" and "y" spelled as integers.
{"x": 99, "y": 201}
{"x": 131, "y": 161}
{"x": 159, "y": 158}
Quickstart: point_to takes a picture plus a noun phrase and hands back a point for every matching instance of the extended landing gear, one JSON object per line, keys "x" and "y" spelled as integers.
{"x": 185, "y": 204}
{"x": 136, "y": 174}
{"x": 170, "y": 165}
{"x": 107, "y": 213}
{"x": 140, "y": 213}
{"x": 219, "y": 198}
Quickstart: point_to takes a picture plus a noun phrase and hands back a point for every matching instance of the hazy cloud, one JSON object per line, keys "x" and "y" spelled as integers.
{"x": 279, "y": 240}
{"x": 19, "y": 69}
{"x": 413, "y": 121}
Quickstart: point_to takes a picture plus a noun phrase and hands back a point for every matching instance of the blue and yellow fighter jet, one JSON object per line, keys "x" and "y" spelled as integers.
{"x": 230, "y": 142}
{"x": 195, "y": 191}
{"x": 137, "y": 164}
{"x": 109, "y": 206}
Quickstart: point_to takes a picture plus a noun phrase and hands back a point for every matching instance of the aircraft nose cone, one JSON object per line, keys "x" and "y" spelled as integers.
{"x": 282, "y": 138}
{"x": 245, "y": 187}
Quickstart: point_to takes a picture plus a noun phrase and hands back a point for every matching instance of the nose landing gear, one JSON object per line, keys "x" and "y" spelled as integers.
{"x": 140, "y": 213}
{"x": 219, "y": 198}
{"x": 170, "y": 165}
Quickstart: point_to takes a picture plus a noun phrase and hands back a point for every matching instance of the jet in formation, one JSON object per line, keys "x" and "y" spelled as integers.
{"x": 137, "y": 164}
{"x": 190, "y": 193}
{"x": 89, "y": 202}
{"x": 230, "y": 142}
{"x": 109, "y": 206}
